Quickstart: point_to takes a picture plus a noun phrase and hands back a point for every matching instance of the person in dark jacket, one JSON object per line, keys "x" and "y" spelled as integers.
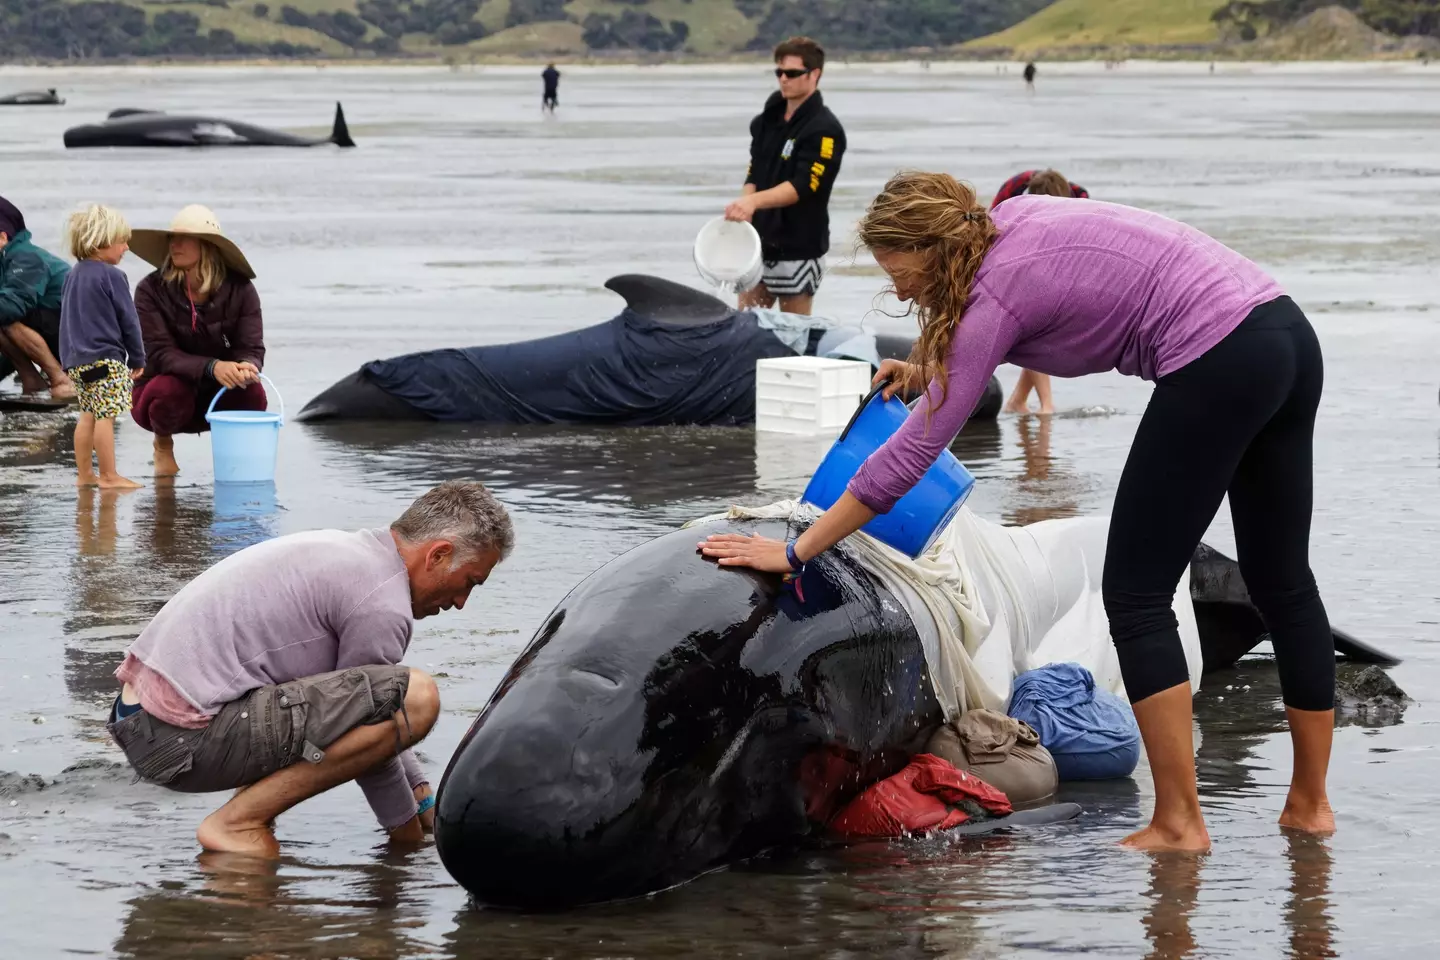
{"x": 551, "y": 78}
{"x": 796, "y": 145}
{"x": 31, "y": 284}
{"x": 200, "y": 319}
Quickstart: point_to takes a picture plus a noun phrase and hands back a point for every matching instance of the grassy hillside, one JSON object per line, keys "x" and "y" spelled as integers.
{"x": 470, "y": 29}
{"x": 1110, "y": 23}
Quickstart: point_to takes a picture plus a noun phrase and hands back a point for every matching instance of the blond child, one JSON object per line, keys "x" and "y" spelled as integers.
{"x": 100, "y": 344}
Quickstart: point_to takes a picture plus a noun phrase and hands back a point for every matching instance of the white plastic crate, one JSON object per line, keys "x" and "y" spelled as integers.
{"x": 808, "y": 395}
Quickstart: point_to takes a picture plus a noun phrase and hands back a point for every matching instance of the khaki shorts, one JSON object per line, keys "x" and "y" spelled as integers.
{"x": 266, "y": 730}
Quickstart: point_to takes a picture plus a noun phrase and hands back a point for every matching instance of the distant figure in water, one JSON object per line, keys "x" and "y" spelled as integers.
{"x": 1030, "y": 77}
{"x": 551, "y": 76}
{"x": 1048, "y": 183}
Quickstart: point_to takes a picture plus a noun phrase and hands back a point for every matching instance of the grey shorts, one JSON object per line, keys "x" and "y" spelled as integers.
{"x": 267, "y": 729}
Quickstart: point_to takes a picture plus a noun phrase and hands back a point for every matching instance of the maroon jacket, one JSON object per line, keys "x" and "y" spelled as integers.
{"x": 225, "y": 327}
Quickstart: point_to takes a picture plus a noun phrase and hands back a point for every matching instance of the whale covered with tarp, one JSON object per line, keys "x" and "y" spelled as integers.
{"x": 672, "y": 356}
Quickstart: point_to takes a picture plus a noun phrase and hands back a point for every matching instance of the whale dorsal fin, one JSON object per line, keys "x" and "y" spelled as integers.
{"x": 666, "y": 301}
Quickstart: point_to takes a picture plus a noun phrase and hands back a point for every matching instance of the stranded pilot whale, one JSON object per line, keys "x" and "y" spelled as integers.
{"x": 128, "y": 127}
{"x": 673, "y": 356}
{"x": 672, "y": 717}
{"x": 33, "y": 98}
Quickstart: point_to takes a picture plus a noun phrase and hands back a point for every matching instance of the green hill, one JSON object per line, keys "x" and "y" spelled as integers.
{"x": 1110, "y": 23}
{"x": 465, "y": 29}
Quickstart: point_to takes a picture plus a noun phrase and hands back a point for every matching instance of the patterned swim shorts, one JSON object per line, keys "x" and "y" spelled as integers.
{"x": 793, "y": 278}
{"x": 102, "y": 388}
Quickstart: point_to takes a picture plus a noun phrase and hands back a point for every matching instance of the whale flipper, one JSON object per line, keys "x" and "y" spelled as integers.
{"x": 665, "y": 301}
{"x": 1230, "y": 625}
{"x": 1035, "y": 817}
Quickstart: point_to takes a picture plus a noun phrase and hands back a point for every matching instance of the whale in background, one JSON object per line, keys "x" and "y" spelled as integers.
{"x": 129, "y": 127}
{"x": 674, "y": 355}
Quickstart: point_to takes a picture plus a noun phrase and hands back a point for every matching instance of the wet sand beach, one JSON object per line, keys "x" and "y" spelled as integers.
{"x": 464, "y": 217}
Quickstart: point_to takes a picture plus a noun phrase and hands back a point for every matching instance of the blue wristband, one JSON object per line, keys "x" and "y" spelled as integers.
{"x": 425, "y": 804}
{"x": 795, "y": 563}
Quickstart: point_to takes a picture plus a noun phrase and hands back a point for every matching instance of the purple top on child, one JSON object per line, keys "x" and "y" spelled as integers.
{"x": 97, "y": 317}
{"x": 1073, "y": 287}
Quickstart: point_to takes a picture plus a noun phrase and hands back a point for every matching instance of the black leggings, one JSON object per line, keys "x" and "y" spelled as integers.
{"x": 1240, "y": 418}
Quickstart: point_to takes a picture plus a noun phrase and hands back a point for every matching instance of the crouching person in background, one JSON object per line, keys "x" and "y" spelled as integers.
{"x": 277, "y": 673}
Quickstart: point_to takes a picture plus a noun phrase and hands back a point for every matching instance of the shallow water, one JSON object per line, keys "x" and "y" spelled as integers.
{"x": 465, "y": 217}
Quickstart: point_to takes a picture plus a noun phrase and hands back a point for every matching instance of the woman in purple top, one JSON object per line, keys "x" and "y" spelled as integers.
{"x": 1067, "y": 288}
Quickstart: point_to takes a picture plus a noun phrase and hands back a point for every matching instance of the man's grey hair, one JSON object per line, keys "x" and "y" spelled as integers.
{"x": 463, "y": 512}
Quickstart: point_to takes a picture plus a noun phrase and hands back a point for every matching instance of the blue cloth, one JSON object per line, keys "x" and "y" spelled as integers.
{"x": 98, "y": 319}
{"x": 1091, "y": 733}
{"x": 122, "y": 709}
{"x": 630, "y": 371}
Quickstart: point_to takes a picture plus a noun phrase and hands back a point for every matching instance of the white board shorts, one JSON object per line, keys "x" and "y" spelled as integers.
{"x": 793, "y": 278}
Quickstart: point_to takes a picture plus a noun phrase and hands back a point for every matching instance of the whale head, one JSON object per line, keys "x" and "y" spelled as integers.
{"x": 671, "y": 717}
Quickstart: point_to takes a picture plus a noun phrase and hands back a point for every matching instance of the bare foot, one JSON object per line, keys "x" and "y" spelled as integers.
{"x": 116, "y": 482}
{"x": 62, "y": 391}
{"x": 165, "y": 465}
{"x": 1015, "y": 408}
{"x": 1308, "y": 816}
{"x": 33, "y": 384}
{"x": 1046, "y": 410}
{"x": 87, "y": 480}
{"x": 253, "y": 839}
{"x": 1191, "y": 838}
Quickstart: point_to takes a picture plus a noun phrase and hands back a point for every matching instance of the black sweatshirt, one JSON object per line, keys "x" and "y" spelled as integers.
{"x": 806, "y": 152}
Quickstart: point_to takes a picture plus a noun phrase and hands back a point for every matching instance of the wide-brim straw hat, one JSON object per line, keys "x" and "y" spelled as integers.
{"x": 153, "y": 246}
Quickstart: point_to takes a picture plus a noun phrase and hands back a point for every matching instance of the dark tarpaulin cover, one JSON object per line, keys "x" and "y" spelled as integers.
{"x": 631, "y": 371}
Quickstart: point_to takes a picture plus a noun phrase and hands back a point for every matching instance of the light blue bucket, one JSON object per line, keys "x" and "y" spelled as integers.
{"x": 243, "y": 443}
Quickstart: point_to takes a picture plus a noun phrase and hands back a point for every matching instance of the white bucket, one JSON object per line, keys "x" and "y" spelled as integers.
{"x": 727, "y": 254}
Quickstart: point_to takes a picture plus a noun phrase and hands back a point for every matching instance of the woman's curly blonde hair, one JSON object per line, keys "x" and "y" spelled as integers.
{"x": 939, "y": 218}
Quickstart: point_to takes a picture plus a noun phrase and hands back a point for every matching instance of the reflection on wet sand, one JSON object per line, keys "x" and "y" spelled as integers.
{"x": 1174, "y": 891}
{"x": 1043, "y": 481}
{"x": 1307, "y": 911}
{"x": 247, "y": 909}
{"x": 635, "y": 466}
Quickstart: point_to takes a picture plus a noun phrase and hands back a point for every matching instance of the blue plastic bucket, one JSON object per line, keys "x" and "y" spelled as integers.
{"x": 918, "y": 517}
{"x": 243, "y": 443}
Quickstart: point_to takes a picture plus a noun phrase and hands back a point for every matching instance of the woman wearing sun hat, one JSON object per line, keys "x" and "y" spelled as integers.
{"x": 200, "y": 320}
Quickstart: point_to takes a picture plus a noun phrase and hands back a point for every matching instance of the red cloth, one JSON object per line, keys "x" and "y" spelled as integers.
{"x": 927, "y": 795}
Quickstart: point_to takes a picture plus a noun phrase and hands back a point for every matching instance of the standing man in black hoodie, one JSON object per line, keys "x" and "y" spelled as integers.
{"x": 795, "y": 149}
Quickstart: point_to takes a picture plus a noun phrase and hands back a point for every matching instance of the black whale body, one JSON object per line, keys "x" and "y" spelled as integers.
{"x": 32, "y": 98}
{"x": 674, "y": 355}
{"x": 129, "y": 127}
{"x": 672, "y": 717}
{"x": 653, "y": 731}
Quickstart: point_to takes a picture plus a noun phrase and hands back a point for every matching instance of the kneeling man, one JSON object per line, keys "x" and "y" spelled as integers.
{"x": 277, "y": 672}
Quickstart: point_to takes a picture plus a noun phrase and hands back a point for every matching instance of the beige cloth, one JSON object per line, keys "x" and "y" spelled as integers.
{"x": 1004, "y": 752}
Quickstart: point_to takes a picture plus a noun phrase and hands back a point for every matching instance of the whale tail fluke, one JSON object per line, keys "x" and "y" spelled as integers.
{"x": 340, "y": 136}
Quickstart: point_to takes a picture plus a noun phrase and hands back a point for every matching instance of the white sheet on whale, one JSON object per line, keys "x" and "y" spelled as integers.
{"x": 990, "y": 602}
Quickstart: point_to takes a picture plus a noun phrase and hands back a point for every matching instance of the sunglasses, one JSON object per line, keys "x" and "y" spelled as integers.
{"x": 790, "y": 74}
